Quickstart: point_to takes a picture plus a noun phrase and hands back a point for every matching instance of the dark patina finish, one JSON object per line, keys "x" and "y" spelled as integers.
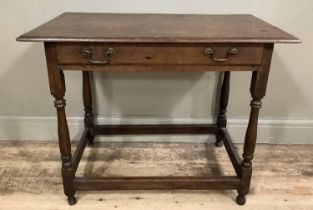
{"x": 154, "y": 42}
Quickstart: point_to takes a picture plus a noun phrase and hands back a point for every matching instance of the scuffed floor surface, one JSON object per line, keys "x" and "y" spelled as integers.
{"x": 30, "y": 176}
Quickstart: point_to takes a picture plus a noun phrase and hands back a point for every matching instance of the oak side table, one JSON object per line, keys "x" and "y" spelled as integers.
{"x": 90, "y": 42}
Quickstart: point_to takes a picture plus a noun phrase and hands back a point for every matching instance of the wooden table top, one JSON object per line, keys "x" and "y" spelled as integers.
{"x": 157, "y": 28}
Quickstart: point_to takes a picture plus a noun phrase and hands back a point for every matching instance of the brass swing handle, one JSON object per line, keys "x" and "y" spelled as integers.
{"x": 88, "y": 54}
{"x": 209, "y": 51}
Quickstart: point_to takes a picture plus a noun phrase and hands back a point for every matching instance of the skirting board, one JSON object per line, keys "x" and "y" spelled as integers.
{"x": 273, "y": 131}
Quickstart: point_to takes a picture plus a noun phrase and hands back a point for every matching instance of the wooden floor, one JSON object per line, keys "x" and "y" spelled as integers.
{"x": 30, "y": 176}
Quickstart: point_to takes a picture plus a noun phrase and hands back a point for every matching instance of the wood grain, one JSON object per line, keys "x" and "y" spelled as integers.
{"x": 160, "y": 54}
{"x": 282, "y": 178}
{"x": 129, "y": 42}
{"x": 156, "y": 28}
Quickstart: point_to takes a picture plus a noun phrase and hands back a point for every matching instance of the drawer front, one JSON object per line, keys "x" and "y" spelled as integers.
{"x": 158, "y": 54}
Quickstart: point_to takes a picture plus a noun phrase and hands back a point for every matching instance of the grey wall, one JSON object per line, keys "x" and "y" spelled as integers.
{"x": 24, "y": 85}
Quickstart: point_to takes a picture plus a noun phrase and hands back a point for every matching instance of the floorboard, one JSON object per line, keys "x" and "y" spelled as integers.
{"x": 282, "y": 178}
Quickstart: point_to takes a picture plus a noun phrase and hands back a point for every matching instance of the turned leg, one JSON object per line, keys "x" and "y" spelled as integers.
{"x": 257, "y": 90}
{"x": 88, "y": 119}
{"x": 249, "y": 146}
{"x": 65, "y": 149}
{"x": 57, "y": 89}
{"x": 221, "y": 119}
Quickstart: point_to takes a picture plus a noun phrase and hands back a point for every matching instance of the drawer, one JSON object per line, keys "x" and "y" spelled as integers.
{"x": 159, "y": 54}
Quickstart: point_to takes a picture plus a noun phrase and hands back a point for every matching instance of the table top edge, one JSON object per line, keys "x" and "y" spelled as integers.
{"x": 33, "y": 37}
{"x": 168, "y": 41}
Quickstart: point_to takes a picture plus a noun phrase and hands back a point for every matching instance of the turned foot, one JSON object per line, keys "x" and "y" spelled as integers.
{"x": 90, "y": 143}
{"x": 91, "y": 138}
{"x": 71, "y": 200}
{"x": 241, "y": 200}
{"x": 219, "y": 143}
